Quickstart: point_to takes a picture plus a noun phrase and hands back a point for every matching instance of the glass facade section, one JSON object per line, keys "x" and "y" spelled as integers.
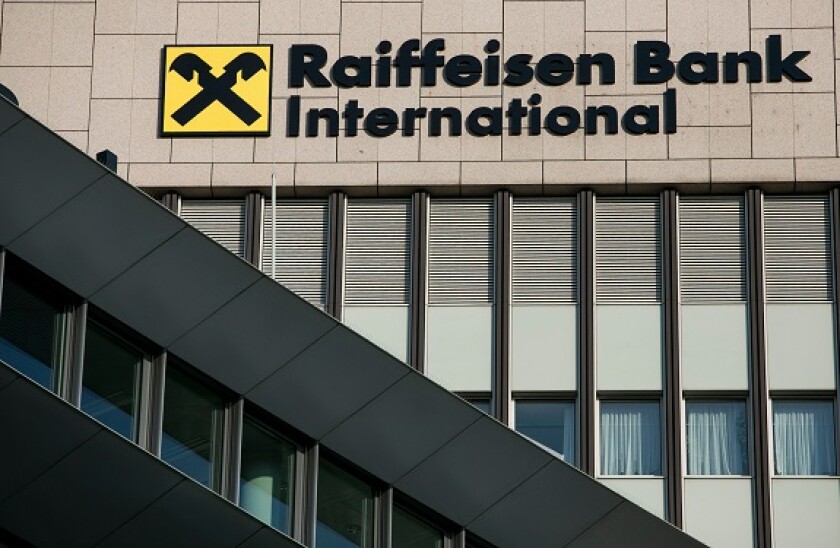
{"x": 716, "y": 436}
{"x": 267, "y": 477}
{"x": 549, "y": 423}
{"x": 408, "y": 531}
{"x": 111, "y": 381}
{"x": 803, "y": 438}
{"x": 31, "y": 333}
{"x": 192, "y": 428}
{"x": 345, "y": 509}
{"x": 631, "y": 435}
{"x": 482, "y": 404}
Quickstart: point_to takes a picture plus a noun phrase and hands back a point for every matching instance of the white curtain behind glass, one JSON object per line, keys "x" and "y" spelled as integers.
{"x": 716, "y": 438}
{"x": 803, "y": 438}
{"x": 630, "y": 439}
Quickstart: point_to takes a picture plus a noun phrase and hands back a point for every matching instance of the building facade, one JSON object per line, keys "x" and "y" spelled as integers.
{"x": 655, "y": 305}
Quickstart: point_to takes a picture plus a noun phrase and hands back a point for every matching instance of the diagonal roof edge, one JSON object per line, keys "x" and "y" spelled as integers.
{"x": 115, "y": 246}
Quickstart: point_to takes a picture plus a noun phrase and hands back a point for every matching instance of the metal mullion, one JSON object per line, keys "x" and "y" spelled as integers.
{"x": 419, "y": 278}
{"x": 672, "y": 391}
{"x": 232, "y": 450}
{"x": 254, "y": 208}
{"x": 460, "y": 539}
{"x": 835, "y": 279}
{"x": 335, "y": 250}
{"x": 172, "y": 202}
{"x": 310, "y": 497}
{"x": 154, "y": 412}
{"x": 501, "y": 305}
{"x": 586, "y": 329}
{"x": 72, "y": 382}
{"x": 758, "y": 376}
{"x": 385, "y": 516}
{"x": 145, "y": 389}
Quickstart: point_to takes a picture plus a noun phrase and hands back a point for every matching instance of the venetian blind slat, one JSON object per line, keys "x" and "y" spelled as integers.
{"x": 797, "y": 249}
{"x": 628, "y": 250}
{"x": 544, "y": 251}
{"x": 712, "y": 250}
{"x": 460, "y": 251}
{"x": 222, "y": 220}
{"x": 377, "y": 252}
{"x": 301, "y": 250}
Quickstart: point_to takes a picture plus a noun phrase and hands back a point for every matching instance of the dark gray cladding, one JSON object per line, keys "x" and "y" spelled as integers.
{"x": 74, "y": 220}
{"x": 67, "y": 481}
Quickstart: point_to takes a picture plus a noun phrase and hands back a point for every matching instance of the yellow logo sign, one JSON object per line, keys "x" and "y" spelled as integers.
{"x": 216, "y": 90}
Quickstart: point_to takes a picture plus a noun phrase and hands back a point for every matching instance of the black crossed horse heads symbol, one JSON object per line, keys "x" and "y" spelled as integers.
{"x": 213, "y": 88}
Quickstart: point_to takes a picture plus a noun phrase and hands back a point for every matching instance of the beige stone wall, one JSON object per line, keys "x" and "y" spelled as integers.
{"x": 90, "y": 70}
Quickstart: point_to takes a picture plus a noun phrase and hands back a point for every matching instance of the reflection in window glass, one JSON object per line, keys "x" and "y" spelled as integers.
{"x": 345, "y": 509}
{"x": 549, "y": 423}
{"x": 31, "y": 333}
{"x": 267, "y": 483}
{"x": 716, "y": 438}
{"x": 803, "y": 438}
{"x": 111, "y": 380}
{"x": 630, "y": 439}
{"x": 408, "y": 531}
{"x": 192, "y": 428}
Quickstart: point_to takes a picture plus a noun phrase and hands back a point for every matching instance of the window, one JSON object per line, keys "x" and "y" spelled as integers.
{"x": 111, "y": 380}
{"x": 345, "y": 509}
{"x": 32, "y": 330}
{"x": 192, "y": 428}
{"x": 549, "y": 423}
{"x": 803, "y": 438}
{"x": 716, "y": 438}
{"x": 408, "y": 531}
{"x": 480, "y": 401}
{"x": 267, "y": 477}
{"x": 630, "y": 439}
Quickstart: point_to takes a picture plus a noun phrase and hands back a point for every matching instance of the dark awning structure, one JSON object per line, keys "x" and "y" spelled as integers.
{"x": 124, "y": 253}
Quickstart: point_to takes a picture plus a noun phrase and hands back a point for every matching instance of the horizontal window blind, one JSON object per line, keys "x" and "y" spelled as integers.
{"x": 544, "y": 250}
{"x": 377, "y": 259}
{"x": 797, "y": 248}
{"x": 222, "y": 220}
{"x": 628, "y": 250}
{"x": 461, "y": 251}
{"x": 301, "y": 250}
{"x": 713, "y": 264}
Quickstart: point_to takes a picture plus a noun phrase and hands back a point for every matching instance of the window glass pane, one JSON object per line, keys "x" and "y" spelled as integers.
{"x": 549, "y": 423}
{"x": 267, "y": 479}
{"x": 630, "y": 438}
{"x": 803, "y": 438}
{"x": 345, "y": 509}
{"x": 110, "y": 381}
{"x": 408, "y": 531}
{"x": 481, "y": 404}
{"x": 31, "y": 333}
{"x": 192, "y": 428}
{"x": 716, "y": 438}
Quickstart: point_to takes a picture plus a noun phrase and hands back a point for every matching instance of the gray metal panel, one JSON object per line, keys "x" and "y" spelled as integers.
{"x": 6, "y": 376}
{"x": 419, "y": 418}
{"x": 85, "y": 244}
{"x": 328, "y": 382}
{"x": 266, "y": 538}
{"x": 541, "y": 517}
{"x": 175, "y": 287}
{"x": 47, "y": 434}
{"x": 8, "y": 116}
{"x": 180, "y": 518}
{"x": 471, "y": 472}
{"x": 635, "y": 527}
{"x": 89, "y": 493}
{"x": 261, "y": 329}
{"x": 25, "y": 175}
